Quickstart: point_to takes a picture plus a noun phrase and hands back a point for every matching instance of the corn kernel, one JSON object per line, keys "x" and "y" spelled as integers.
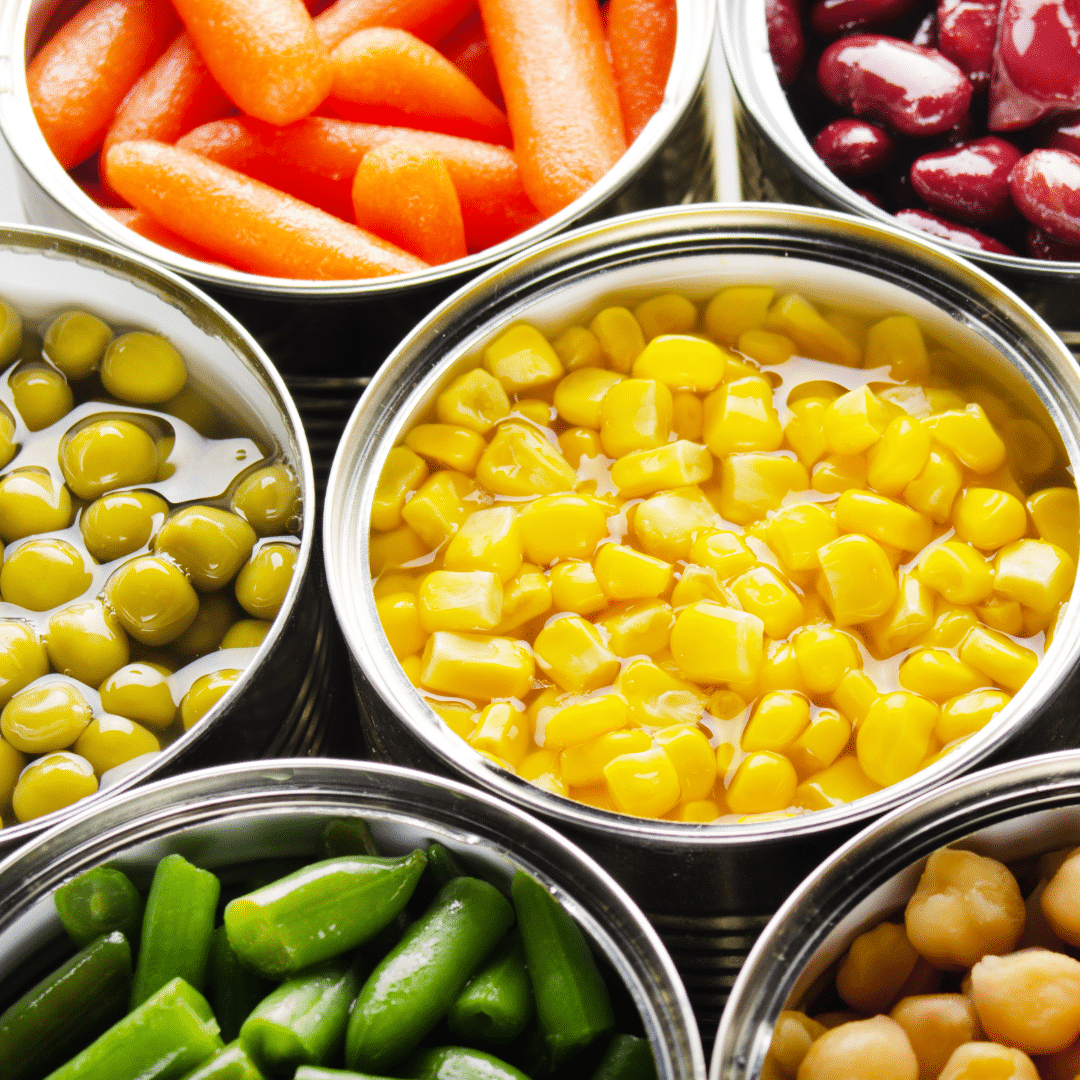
{"x": 502, "y": 731}
{"x": 688, "y": 416}
{"x": 635, "y": 414}
{"x": 570, "y": 652}
{"x": 645, "y": 784}
{"x": 668, "y": 313}
{"x": 763, "y": 593}
{"x": 400, "y": 621}
{"x": 857, "y": 580}
{"x": 899, "y": 456}
{"x": 576, "y": 444}
{"x": 740, "y": 416}
{"x": 989, "y": 519}
{"x": 764, "y": 782}
{"x": 541, "y": 768}
{"x": 402, "y": 474}
{"x": 821, "y": 743}
{"x": 475, "y": 400}
{"x": 1029, "y": 448}
{"x": 796, "y": 532}
{"x": 895, "y": 737}
{"x": 522, "y": 359}
{"x": 454, "y": 600}
{"x": 765, "y": 347}
{"x": 941, "y": 399}
{"x": 459, "y": 718}
{"x": 736, "y": 309}
{"x": 855, "y": 421}
{"x": 398, "y": 547}
{"x": 725, "y": 755}
{"x": 950, "y": 627}
{"x": 583, "y": 763}
{"x": 753, "y": 484}
{"x": 641, "y": 628}
{"x": 450, "y": 446}
{"x": 968, "y": 713}
{"x": 620, "y": 337}
{"x": 1056, "y": 514}
{"x": 535, "y": 411}
{"x": 578, "y": 395}
{"x": 477, "y": 666}
{"x": 714, "y": 644}
{"x": 1004, "y": 615}
{"x": 693, "y": 758}
{"x": 595, "y": 795}
{"x": 911, "y": 399}
{"x": 643, "y": 472}
{"x": 390, "y": 583}
{"x": 911, "y": 615}
{"x": 574, "y": 588}
{"x": 700, "y": 583}
{"x": 969, "y": 435}
{"x": 681, "y": 362}
{"x": 489, "y": 539}
{"x": 726, "y": 705}
{"x": 897, "y": 343}
{"x": 578, "y": 348}
{"x": 561, "y": 527}
{"x": 526, "y": 596}
{"x": 780, "y": 670}
{"x": 1035, "y": 573}
{"x": 779, "y": 719}
{"x": 935, "y": 489}
{"x": 658, "y": 698}
{"x": 799, "y": 319}
{"x": 440, "y": 507}
{"x": 838, "y": 473}
{"x": 576, "y": 718}
{"x": 699, "y": 812}
{"x": 825, "y": 655}
{"x": 666, "y": 525}
{"x": 855, "y": 695}
{"x": 805, "y": 431}
{"x": 725, "y": 552}
{"x": 519, "y": 461}
{"x": 882, "y": 519}
{"x": 627, "y": 574}
{"x": 842, "y": 782}
{"x": 938, "y": 675}
{"x": 956, "y": 571}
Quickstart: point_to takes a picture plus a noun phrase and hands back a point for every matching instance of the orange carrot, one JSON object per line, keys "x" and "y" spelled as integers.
{"x": 149, "y": 229}
{"x": 642, "y": 38}
{"x": 467, "y": 49}
{"x": 244, "y": 222}
{"x": 265, "y": 54}
{"x": 79, "y": 77}
{"x": 429, "y": 20}
{"x": 316, "y": 159}
{"x": 405, "y": 195}
{"x": 384, "y": 76}
{"x": 560, "y": 94}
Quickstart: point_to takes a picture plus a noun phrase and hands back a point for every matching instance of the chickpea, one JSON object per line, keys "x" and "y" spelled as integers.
{"x": 985, "y": 1060}
{"x": 965, "y": 906}
{"x": 936, "y": 1024}
{"x": 1061, "y": 899}
{"x": 1038, "y": 933}
{"x": 793, "y": 1036}
{"x": 830, "y": 1020}
{"x": 863, "y": 1050}
{"x": 1064, "y": 1065}
{"x": 875, "y": 968}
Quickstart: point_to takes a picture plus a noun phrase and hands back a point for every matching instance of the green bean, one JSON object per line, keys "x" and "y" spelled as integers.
{"x": 232, "y": 989}
{"x": 231, "y": 1063}
{"x": 351, "y": 837}
{"x": 627, "y": 1057}
{"x": 98, "y": 902}
{"x": 443, "y": 865}
{"x": 311, "y": 1072}
{"x": 460, "y": 1063}
{"x": 497, "y": 1004}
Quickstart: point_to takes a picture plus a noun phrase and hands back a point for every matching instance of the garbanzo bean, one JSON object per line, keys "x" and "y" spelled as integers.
{"x": 1061, "y": 899}
{"x": 143, "y": 368}
{"x": 862, "y": 1050}
{"x": 978, "y": 1060}
{"x": 41, "y": 394}
{"x": 793, "y": 1036}
{"x": 140, "y": 691}
{"x": 875, "y": 968}
{"x": 75, "y": 342}
{"x": 117, "y": 524}
{"x": 936, "y": 1024}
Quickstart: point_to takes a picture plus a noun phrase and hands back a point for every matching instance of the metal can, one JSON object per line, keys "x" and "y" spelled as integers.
{"x": 710, "y": 888}
{"x": 278, "y": 809}
{"x": 278, "y": 707}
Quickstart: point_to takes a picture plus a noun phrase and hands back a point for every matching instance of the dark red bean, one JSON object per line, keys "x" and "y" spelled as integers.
{"x": 1041, "y": 245}
{"x": 833, "y": 17}
{"x": 1036, "y": 62}
{"x": 1065, "y": 133}
{"x": 1045, "y": 186}
{"x": 871, "y": 197}
{"x": 786, "y": 42}
{"x": 926, "y": 32}
{"x": 853, "y": 148}
{"x": 916, "y": 90}
{"x": 967, "y": 30}
{"x": 970, "y": 181}
{"x": 938, "y": 227}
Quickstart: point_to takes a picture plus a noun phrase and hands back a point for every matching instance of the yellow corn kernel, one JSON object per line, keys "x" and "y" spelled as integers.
{"x": 855, "y": 421}
{"x": 412, "y": 666}
{"x": 950, "y": 627}
{"x": 459, "y": 600}
{"x": 780, "y": 670}
{"x": 765, "y": 347}
{"x": 643, "y": 472}
{"x": 450, "y": 446}
{"x": 753, "y": 484}
{"x": 395, "y": 582}
{"x": 681, "y": 362}
{"x": 1035, "y": 573}
{"x": 842, "y": 782}
{"x": 595, "y": 795}
{"x": 941, "y": 399}
{"x": 627, "y": 574}
{"x": 644, "y": 784}
{"x": 668, "y": 313}
{"x": 883, "y": 519}
{"x": 854, "y": 696}
{"x": 475, "y": 400}
{"x": 725, "y": 755}
{"x": 779, "y": 719}
{"x": 1030, "y": 450}
{"x": 805, "y": 431}
{"x": 656, "y": 697}
{"x": 699, "y": 583}
{"x": 534, "y": 410}
{"x": 641, "y": 628}
{"x": 857, "y": 579}
{"x": 541, "y": 769}
{"x": 666, "y": 525}
{"x": 578, "y": 348}
{"x": 570, "y": 652}
{"x": 526, "y": 596}
{"x": 477, "y": 666}
{"x": 578, "y": 443}
{"x": 897, "y": 343}
{"x": 459, "y": 718}
{"x": 725, "y": 552}
{"x": 562, "y": 527}
{"x": 1006, "y": 663}
{"x": 764, "y": 782}
{"x": 522, "y": 359}
{"x": 899, "y": 456}
{"x": 694, "y": 760}
{"x": 838, "y": 473}
{"x": 582, "y": 764}
{"x": 574, "y": 588}
{"x": 519, "y": 461}
{"x": 968, "y": 713}
{"x": 502, "y": 731}
{"x": 1056, "y": 514}
{"x": 935, "y": 489}
{"x": 726, "y": 705}
{"x": 489, "y": 539}
{"x": 1038, "y": 624}
{"x": 398, "y": 547}
{"x": 825, "y": 655}
{"x": 688, "y": 416}
{"x": 1004, "y": 615}
{"x": 400, "y": 621}
{"x": 402, "y": 474}
{"x": 938, "y": 675}
{"x": 895, "y": 737}
{"x": 969, "y": 435}
{"x": 620, "y": 337}
{"x": 821, "y": 743}
{"x": 956, "y": 571}
{"x": 736, "y": 309}
{"x": 989, "y": 519}
{"x": 911, "y": 399}
{"x": 440, "y": 507}
{"x": 1003, "y": 480}
{"x": 740, "y": 416}
{"x": 911, "y": 615}
{"x": 699, "y": 812}
{"x": 795, "y": 533}
{"x": 799, "y": 319}
{"x": 578, "y": 395}
{"x": 576, "y": 718}
{"x": 635, "y": 414}
{"x": 713, "y": 644}
{"x": 764, "y": 593}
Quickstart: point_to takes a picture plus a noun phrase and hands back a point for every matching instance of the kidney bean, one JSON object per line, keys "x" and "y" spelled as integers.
{"x": 1041, "y": 245}
{"x": 916, "y": 90}
{"x": 967, "y": 30}
{"x": 1065, "y": 133}
{"x": 938, "y": 227}
{"x": 970, "y": 181}
{"x": 870, "y": 197}
{"x": 1036, "y": 62}
{"x": 853, "y": 148}
{"x": 833, "y": 17}
{"x": 1045, "y": 186}
{"x": 786, "y": 43}
{"x": 926, "y": 32}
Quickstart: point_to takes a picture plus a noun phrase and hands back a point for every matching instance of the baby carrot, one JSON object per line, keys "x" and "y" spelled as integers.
{"x": 429, "y": 20}
{"x": 560, "y": 94}
{"x": 404, "y": 194}
{"x": 79, "y": 77}
{"x": 642, "y": 38}
{"x": 244, "y": 222}
{"x": 265, "y": 54}
{"x": 386, "y": 76}
{"x": 149, "y": 229}
{"x": 467, "y": 49}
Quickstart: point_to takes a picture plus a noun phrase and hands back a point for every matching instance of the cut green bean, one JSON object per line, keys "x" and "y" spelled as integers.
{"x": 415, "y": 984}
{"x": 627, "y": 1057}
{"x": 66, "y": 1011}
{"x": 312, "y": 1072}
{"x": 162, "y": 1039}
{"x": 98, "y": 902}
{"x": 460, "y": 1063}
{"x": 232, "y": 989}
{"x": 572, "y": 1002}
{"x": 177, "y": 927}
{"x": 231, "y": 1063}
{"x": 320, "y": 912}
{"x": 497, "y": 1004}
{"x": 443, "y": 865}
{"x": 347, "y": 837}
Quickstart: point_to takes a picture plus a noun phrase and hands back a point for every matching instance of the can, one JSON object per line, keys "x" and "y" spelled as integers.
{"x": 279, "y": 703}
{"x": 709, "y": 888}
{"x": 278, "y": 809}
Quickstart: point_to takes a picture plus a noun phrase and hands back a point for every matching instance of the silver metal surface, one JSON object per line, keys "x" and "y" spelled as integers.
{"x": 777, "y": 163}
{"x": 278, "y": 704}
{"x": 694, "y": 872}
{"x": 278, "y": 809}
{"x": 1010, "y": 813}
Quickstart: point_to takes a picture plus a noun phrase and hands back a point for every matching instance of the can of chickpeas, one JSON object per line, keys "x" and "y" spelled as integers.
{"x": 161, "y": 602}
{"x": 634, "y": 568}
